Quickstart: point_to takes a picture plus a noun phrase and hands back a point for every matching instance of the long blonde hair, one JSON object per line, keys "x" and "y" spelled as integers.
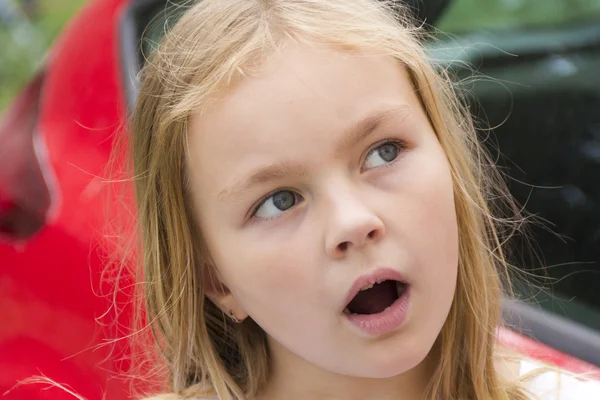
{"x": 212, "y": 46}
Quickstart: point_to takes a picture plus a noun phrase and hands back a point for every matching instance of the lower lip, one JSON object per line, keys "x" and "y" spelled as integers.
{"x": 384, "y": 322}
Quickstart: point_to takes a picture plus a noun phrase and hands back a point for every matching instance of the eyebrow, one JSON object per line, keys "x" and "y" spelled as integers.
{"x": 354, "y": 135}
{"x": 359, "y": 131}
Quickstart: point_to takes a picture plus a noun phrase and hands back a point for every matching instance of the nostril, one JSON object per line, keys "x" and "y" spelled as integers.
{"x": 343, "y": 246}
{"x": 372, "y": 234}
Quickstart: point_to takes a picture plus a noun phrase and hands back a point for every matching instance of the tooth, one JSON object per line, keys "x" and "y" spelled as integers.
{"x": 367, "y": 287}
{"x": 399, "y": 289}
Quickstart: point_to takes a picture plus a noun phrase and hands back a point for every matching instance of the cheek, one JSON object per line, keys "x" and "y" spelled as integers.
{"x": 432, "y": 228}
{"x": 439, "y": 218}
{"x": 257, "y": 271}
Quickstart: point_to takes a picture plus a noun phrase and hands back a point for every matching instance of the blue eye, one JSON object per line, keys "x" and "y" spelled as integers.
{"x": 277, "y": 204}
{"x": 381, "y": 155}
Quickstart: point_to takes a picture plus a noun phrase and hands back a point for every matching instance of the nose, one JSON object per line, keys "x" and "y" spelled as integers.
{"x": 352, "y": 225}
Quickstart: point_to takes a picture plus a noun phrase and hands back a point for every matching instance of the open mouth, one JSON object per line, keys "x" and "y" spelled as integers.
{"x": 376, "y": 298}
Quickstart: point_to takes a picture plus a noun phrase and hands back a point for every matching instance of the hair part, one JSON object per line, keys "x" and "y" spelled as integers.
{"x": 214, "y": 45}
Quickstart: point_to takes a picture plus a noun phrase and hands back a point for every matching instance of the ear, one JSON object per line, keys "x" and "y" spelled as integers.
{"x": 220, "y": 295}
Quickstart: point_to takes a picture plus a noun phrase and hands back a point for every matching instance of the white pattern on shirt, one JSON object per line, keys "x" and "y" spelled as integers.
{"x": 552, "y": 385}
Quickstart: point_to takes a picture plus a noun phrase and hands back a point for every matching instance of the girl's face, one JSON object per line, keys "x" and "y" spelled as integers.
{"x": 316, "y": 179}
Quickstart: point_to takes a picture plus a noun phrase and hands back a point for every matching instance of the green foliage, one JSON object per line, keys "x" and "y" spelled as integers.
{"x": 24, "y": 45}
{"x": 15, "y": 68}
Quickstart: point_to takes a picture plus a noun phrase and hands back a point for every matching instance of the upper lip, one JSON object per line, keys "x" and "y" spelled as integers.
{"x": 370, "y": 278}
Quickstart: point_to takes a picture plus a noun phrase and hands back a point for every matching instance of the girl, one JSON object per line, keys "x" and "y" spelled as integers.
{"x": 316, "y": 217}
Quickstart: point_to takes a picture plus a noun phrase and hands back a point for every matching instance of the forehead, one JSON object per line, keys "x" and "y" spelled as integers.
{"x": 330, "y": 79}
{"x": 305, "y": 96}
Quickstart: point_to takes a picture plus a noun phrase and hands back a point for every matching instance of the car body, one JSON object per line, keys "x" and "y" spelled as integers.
{"x": 56, "y": 303}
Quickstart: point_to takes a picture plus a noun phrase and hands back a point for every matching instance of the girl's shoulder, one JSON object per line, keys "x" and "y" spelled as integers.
{"x": 548, "y": 384}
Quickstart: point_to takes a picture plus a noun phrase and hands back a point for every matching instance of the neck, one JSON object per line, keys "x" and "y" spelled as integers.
{"x": 294, "y": 378}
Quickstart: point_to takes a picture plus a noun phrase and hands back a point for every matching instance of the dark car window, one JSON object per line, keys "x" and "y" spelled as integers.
{"x": 542, "y": 96}
{"x": 159, "y": 20}
{"x": 143, "y": 24}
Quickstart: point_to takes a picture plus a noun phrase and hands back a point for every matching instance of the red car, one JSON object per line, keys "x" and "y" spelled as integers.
{"x": 55, "y": 141}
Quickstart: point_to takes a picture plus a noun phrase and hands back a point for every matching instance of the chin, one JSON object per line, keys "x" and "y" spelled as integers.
{"x": 393, "y": 362}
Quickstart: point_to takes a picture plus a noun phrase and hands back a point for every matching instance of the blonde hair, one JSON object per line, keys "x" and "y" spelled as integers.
{"x": 213, "y": 45}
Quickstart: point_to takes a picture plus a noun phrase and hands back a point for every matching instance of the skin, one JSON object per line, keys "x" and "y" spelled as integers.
{"x": 355, "y": 211}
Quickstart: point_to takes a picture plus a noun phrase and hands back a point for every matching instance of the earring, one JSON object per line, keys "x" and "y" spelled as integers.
{"x": 233, "y": 317}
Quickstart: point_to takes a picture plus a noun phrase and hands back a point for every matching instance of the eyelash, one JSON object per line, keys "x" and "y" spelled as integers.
{"x": 401, "y": 144}
{"x": 262, "y": 201}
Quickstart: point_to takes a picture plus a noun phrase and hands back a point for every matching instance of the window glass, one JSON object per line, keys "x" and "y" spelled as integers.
{"x": 158, "y": 21}
{"x": 471, "y": 15}
{"x": 541, "y": 95}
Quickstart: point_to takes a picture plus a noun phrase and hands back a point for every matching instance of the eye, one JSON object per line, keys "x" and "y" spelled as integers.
{"x": 381, "y": 155}
{"x": 277, "y": 204}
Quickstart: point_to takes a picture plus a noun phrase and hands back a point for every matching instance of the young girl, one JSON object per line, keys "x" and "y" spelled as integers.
{"x": 317, "y": 219}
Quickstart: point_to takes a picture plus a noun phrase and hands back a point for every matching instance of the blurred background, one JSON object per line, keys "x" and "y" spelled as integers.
{"x": 27, "y": 29}
{"x": 529, "y": 69}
